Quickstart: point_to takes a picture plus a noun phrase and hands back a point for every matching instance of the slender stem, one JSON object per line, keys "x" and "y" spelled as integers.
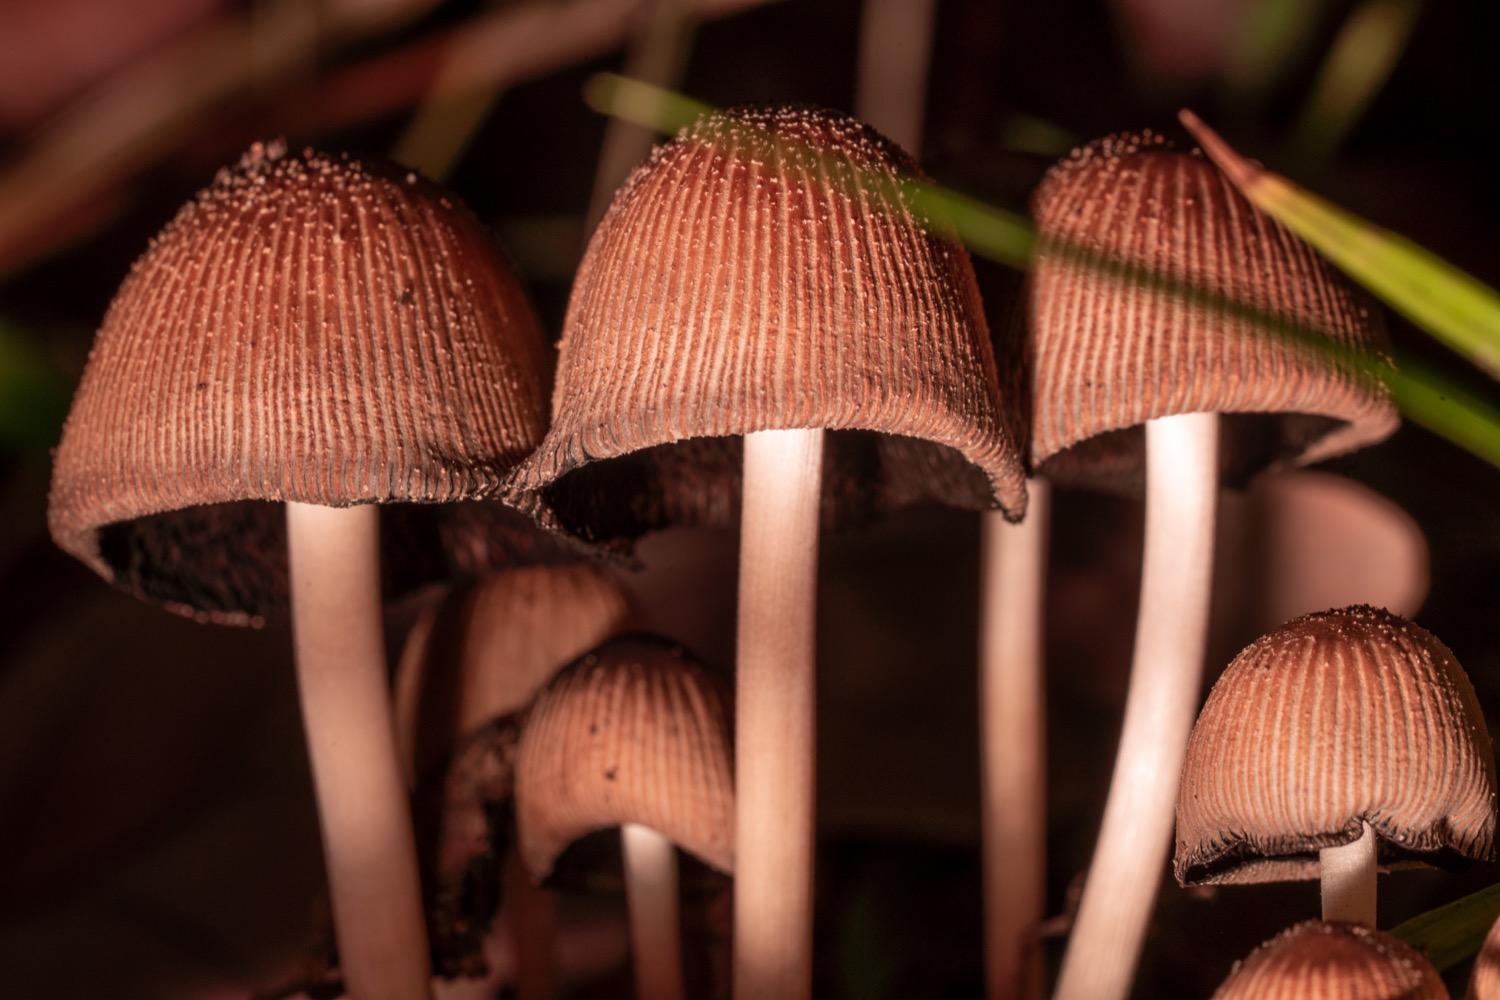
{"x": 774, "y": 734}
{"x": 1013, "y": 727}
{"x": 895, "y": 46}
{"x": 346, "y": 708}
{"x": 1165, "y": 681}
{"x": 1347, "y": 874}
{"x": 532, "y": 915}
{"x": 655, "y": 919}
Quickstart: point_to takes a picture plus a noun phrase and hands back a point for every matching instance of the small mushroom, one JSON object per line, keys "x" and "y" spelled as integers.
{"x": 634, "y": 734}
{"x": 1333, "y": 961}
{"x": 1343, "y": 739}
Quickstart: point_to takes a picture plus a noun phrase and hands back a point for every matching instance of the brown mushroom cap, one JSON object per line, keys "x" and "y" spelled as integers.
{"x": 309, "y": 328}
{"x": 1335, "y": 720}
{"x": 764, "y": 271}
{"x": 488, "y": 647}
{"x": 634, "y": 732}
{"x": 1333, "y": 961}
{"x": 1125, "y": 225}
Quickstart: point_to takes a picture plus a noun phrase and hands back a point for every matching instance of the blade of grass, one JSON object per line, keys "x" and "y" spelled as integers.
{"x": 1454, "y": 307}
{"x": 1357, "y": 66}
{"x": 1452, "y": 933}
{"x": 1425, "y": 396}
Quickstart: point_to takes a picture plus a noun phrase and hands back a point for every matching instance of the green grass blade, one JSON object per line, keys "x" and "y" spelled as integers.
{"x": 33, "y": 394}
{"x": 1459, "y": 310}
{"x": 1452, "y": 933}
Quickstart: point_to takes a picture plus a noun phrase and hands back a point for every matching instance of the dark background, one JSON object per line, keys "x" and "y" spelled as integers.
{"x": 156, "y": 828}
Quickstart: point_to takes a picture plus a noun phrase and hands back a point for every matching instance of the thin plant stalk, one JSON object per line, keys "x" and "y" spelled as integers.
{"x": 1347, "y": 879}
{"x": 895, "y": 46}
{"x": 775, "y": 727}
{"x": 1012, "y": 699}
{"x": 368, "y": 845}
{"x": 655, "y": 915}
{"x": 1165, "y": 679}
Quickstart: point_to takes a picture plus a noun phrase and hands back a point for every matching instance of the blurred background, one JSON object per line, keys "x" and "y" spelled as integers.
{"x": 157, "y": 837}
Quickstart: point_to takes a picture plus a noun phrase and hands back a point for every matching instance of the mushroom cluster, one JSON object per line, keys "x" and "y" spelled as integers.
{"x": 767, "y": 331}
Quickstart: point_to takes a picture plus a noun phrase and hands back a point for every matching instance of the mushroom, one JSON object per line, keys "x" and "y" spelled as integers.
{"x": 1333, "y": 961}
{"x": 634, "y": 735}
{"x": 762, "y": 275}
{"x": 331, "y": 335}
{"x": 1342, "y": 739}
{"x": 1160, "y": 299}
{"x": 472, "y": 663}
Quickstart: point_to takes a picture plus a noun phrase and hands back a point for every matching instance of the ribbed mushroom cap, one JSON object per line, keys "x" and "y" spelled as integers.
{"x": 1125, "y": 225}
{"x": 488, "y": 647}
{"x": 763, "y": 270}
{"x": 1333, "y": 961}
{"x": 634, "y": 732}
{"x": 309, "y": 328}
{"x": 1334, "y": 720}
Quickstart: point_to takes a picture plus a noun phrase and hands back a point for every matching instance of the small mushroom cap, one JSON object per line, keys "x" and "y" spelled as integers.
{"x": 764, "y": 270}
{"x": 1335, "y": 720}
{"x": 634, "y": 732}
{"x": 309, "y": 328}
{"x": 488, "y": 647}
{"x": 1333, "y": 961}
{"x": 1125, "y": 225}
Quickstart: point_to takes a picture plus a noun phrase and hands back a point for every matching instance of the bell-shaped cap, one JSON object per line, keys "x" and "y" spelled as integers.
{"x": 766, "y": 270}
{"x": 634, "y": 732}
{"x": 1333, "y": 961}
{"x": 1157, "y": 289}
{"x": 309, "y": 328}
{"x": 1335, "y": 720}
{"x": 489, "y": 646}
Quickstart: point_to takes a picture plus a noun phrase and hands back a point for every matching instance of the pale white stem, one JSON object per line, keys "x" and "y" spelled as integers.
{"x": 1165, "y": 678}
{"x": 368, "y": 844}
{"x": 1347, "y": 875}
{"x": 895, "y": 45}
{"x": 774, "y": 720}
{"x": 533, "y": 924}
{"x": 655, "y": 919}
{"x": 1012, "y": 699}
{"x": 658, "y": 51}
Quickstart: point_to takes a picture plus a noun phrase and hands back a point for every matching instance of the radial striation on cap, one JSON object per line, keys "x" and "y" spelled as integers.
{"x": 309, "y": 328}
{"x": 765, "y": 270}
{"x": 634, "y": 732}
{"x": 1157, "y": 289}
{"x": 1335, "y": 720}
{"x": 1333, "y": 961}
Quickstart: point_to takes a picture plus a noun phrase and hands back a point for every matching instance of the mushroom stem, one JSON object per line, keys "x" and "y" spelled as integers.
{"x": 1347, "y": 874}
{"x": 655, "y": 921}
{"x": 1166, "y": 674}
{"x": 533, "y": 928}
{"x": 368, "y": 846}
{"x": 775, "y": 734}
{"x": 1014, "y": 763}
